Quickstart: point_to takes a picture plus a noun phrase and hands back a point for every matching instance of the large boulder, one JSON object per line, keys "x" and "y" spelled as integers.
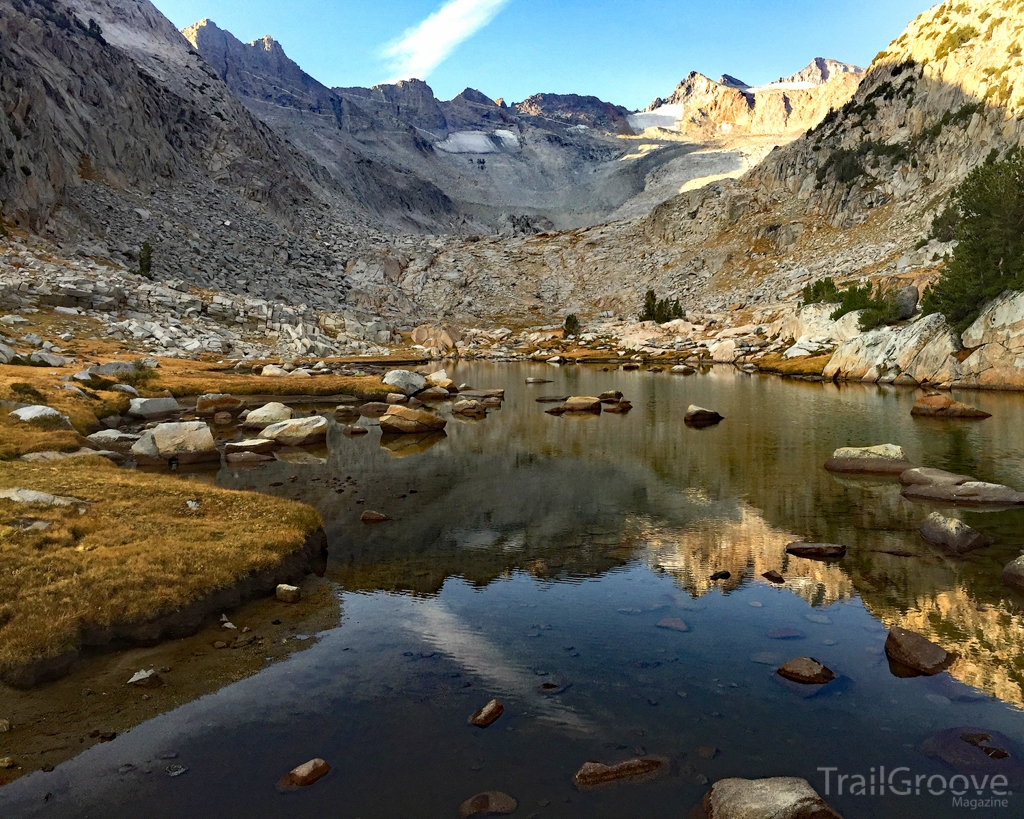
{"x": 700, "y": 417}
{"x": 582, "y": 403}
{"x": 400, "y": 420}
{"x": 187, "y": 443}
{"x": 886, "y": 459}
{"x": 906, "y": 302}
{"x": 917, "y": 653}
{"x": 953, "y": 536}
{"x": 147, "y": 408}
{"x": 1013, "y": 575}
{"x": 298, "y": 432}
{"x": 209, "y": 405}
{"x": 112, "y": 369}
{"x": 970, "y": 493}
{"x": 782, "y": 797}
{"x": 942, "y": 406}
{"x": 266, "y": 415}
{"x": 405, "y": 382}
{"x": 114, "y": 440}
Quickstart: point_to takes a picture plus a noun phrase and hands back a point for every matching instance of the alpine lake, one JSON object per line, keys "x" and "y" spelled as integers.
{"x": 563, "y": 565}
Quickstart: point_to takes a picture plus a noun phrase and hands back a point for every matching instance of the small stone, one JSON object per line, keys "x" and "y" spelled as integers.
{"x": 806, "y": 671}
{"x": 487, "y": 715}
{"x": 774, "y": 577}
{"x": 721, "y": 575}
{"x": 700, "y": 417}
{"x": 220, "y": 644}
{"x": 304, "y": 776}
{"x": 354, "y": 431}
{"x": 644, "y": 769}
{"x": 7, "y": 763}
{"x": 917, "y": 653}
{"x": 370, "y": 516}
{"x": 490, "y": 803}
{"x": 816, "y": 551}
{"x": 707, "y": 752}
{"x": 288, "y": 594}
{"x": 146, "y": 679}
{"x": 5, "y": 726}
{"x": 174, "y": 771}
{"x": 785, "y": 634}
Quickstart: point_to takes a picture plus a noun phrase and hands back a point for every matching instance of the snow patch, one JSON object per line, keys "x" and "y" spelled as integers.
{"x": 469, "y": 142}
{"x": 782, "y": 86}
{"x": 667, "y": 117}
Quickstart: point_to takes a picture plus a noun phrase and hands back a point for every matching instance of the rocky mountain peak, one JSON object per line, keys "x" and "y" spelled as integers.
{"x": 731, "y": 82}
{"x": 821, "y": 71}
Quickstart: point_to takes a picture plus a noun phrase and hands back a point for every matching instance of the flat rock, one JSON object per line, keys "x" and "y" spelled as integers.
{"x": 916, "y": 652}
{"x": 260, "y": 446}
{"x": 887, "y": 459}
{"x": 469, "y": 408}
{"x": 434, "y": 394}
{"x": 147, "y": 408}
{"x": 490, "y": 803}
{"x": 304, "y": 776}
{"x": 354, "y": 431}
{"x": 298, "y": 432}
{"x": 942, "y": 406}
{"x": 953, "y": 536}
{"x": 701, "y": 417}
{"x": 41, "y": 415}
{"x": 643, "y": 769}
{"x": 682, "y": 369}
{"x": 242, "y": 458}
{"x": 970, "y": 750}
{"x": 773, "y": 577}
{"x": 43, "y": 498}
{"x": 268, "y": 414}
{"x": 582, "y": 403}
{"x": 369, "y": 516}
{"x": 549, "y": 399}
{"x": 189, "y": 442}
{"x": 806, "y": 671}
{"x": 399, "y": 420}
{"x": 487, "y": 715}
{"x": 781, "y": 797}
{"x": 971, "y": 493}
{"x": 619, "y": 407}
{"x": 374, "y": 409}
{"x": 538, "y": 381}
{"x": 926, "y": 476}
{"x": 816, "y": 551}
{"x": 612, "y": 397}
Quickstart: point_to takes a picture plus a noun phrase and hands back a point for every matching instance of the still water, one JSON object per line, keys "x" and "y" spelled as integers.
{"x": 526, "y": 550}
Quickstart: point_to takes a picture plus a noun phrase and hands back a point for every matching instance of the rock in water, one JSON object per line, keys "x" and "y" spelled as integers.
{"x": 370, "y": 516}
{"x": 374, "y": 409}
{"x": 618, "y": 408}
{"x": 942, "y": 406}
{"x": 187, "y": 443}
{"x": 916, "y": 652}
{"x": 612, "y": 397}
{"x": 977, "y": 751}
{"x": 490, "y": 803}
{"x": 258, "y": 446}
{"x": 304, "y": 776}
{"x": 781, "y": 797}
{"x": 700, "y": 417}
{"x": 288, "y": 594}
{"x": 399, "y": 420}
{"x": 209, "y": 405}
{"x": 924, "y": 476}
{"x": 299, "y": 432}
{"x": 1013, "y": 575}
{"x": 487, "y": 715}
{"x": 816, "y": 551}
{"x": 887, "y": 459}
{"x": 405, "y": 382}
{"x": 807, "y": 671}
{"x": 723, "y": 575}
{"x": 147, "y": 408}
{"x": 469, "y": 408}
{"x": 672, "y": 624}
{"x": 583, "y": 403}
{"x": 774, "y": 577}
{"x": 682, "y": 369}
{"x": 971, "y": 493}
{"x": 644, "y": 769}
{"x": 266, "y": 415}
{"x": 954, "y": 536}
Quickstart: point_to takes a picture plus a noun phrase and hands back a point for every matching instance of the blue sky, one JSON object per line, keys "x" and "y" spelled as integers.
{"x": 624, "y": 51}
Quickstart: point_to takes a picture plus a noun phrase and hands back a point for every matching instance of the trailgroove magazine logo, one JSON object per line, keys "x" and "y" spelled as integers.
{"x": 974, "y": 792}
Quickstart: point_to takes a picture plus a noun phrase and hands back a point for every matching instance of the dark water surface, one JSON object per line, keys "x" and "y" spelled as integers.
{"x": 527, "y": 549}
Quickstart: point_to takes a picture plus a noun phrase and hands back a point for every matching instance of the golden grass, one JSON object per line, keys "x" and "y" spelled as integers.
{"x": 36, "y": 385}
{"x": 813, "y": 365}
{"x": 137, "y": 553}
{"x": 18, "y": 438}
{"x": 182, "y": 378}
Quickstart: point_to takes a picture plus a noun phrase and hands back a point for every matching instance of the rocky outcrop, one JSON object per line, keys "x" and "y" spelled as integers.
{"x": 185, "y": 443}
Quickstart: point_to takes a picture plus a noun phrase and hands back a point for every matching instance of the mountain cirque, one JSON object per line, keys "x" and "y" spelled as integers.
{"x": 250, "y": 178}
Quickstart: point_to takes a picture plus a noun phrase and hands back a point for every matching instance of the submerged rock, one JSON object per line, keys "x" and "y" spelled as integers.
{"x": 773, "y": 577}
{"x": 916, "y": 652}
{"x": 925, "y": 476}
{"x": 977, "y": 751}
{"x": 954, "y": 536}
{"x": 806, "y": 671}
{"x": 487, "y": 715}
{"x": 970, "y": 493}
{"x": 619, "y": 407}
{"x": 700, "y": 417}
{"x": 672, "y": 624}
{"x": 490, "y": 803}
{"x": 374, "y": 409}
{"x": 399, "y": 420}
{"x": 817, "y": 551}
{"x": 781, "y": 797}
{"x": 887, "y": 459}
{"x": 942, "y": 406}
{"x": 304, "y": 776}
{"x": 644, "y": 769}
{"x": 1013, "y": 575}
{"x": 723, "y": 575}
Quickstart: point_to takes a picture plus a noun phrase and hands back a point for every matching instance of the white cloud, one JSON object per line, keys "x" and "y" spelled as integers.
{"x": 424, "y": 47}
